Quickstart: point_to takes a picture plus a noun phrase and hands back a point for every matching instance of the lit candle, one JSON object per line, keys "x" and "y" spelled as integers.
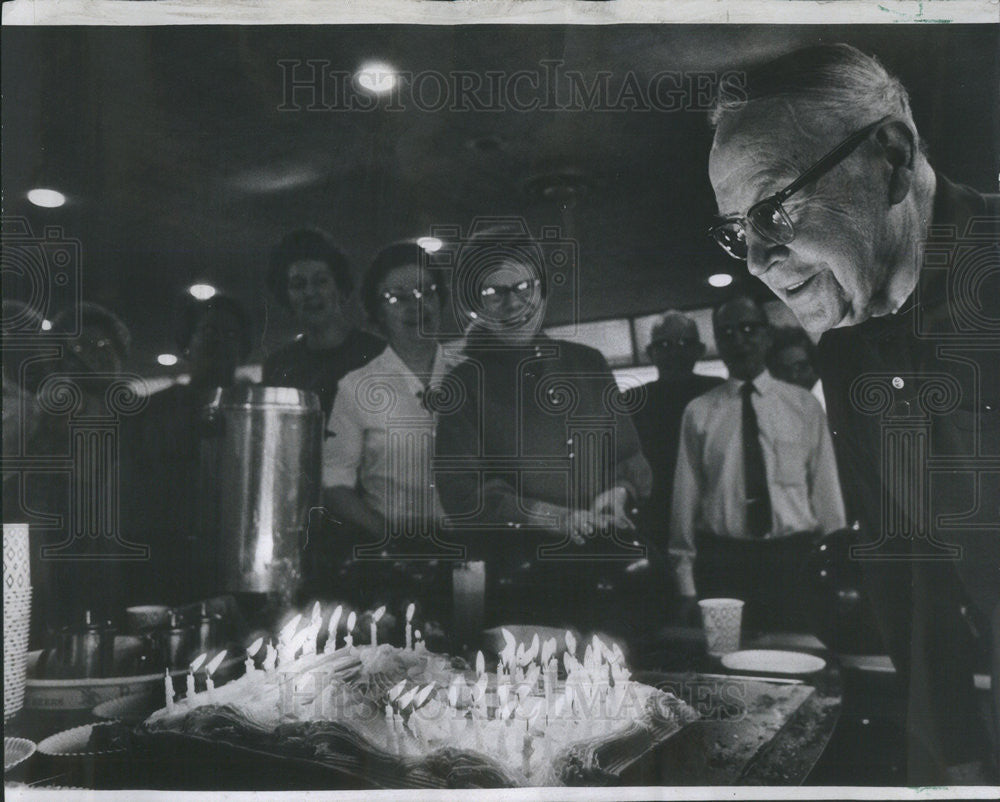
{"x": 195, "y": 665}
{"x": 419, "y": 647}
{"x": 454, "y": 692}
{"x": 390, "y": 724}
{"x": 352, "y": 619}
{"x": 271, "y": 658}
{"x": 253, "y": 649}
{"x": 526, "y": 752}
{"x": 209, "y": 670}
{"x": 168, "y": 688}
{"x": 311, "y": 644}
{"x": 284, "y": 639}
{"x": 376, "y": 616}
{"x": 332, "y": 628}
{"x": 570, "y": 643}
{"x": 410, "y": 609}
{"x": 480, "y": 664}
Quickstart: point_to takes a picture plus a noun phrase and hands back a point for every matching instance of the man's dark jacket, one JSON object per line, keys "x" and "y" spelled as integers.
{"x": 914, "y": 406}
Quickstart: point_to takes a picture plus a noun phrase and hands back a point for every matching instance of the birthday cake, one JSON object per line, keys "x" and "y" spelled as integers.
{"x": 409, "y": 718}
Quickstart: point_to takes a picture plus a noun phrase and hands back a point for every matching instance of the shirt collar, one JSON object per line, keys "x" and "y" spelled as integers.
{"x": 391, "y": 363}
{"x": 764, "y": 383}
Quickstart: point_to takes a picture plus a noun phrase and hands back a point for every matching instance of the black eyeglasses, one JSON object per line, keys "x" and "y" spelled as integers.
{"x": 393, "y": 297}
{"x": 669, "y": 345}
{"x": 494, "y": 293}
{"x": 768, "y": 217}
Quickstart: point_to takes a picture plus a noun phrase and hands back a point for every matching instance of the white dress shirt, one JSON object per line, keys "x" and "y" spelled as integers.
{"x": 381, "y": 439}
{"x": 709, "y": 494}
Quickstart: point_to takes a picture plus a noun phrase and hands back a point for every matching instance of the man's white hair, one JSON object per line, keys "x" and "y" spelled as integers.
{"x": 837, "y": 80}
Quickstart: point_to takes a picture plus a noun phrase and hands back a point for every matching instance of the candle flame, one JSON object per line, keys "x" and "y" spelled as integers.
{"x": 411, "y": 608}
{"x": 254, "y": 647}
{"x": 533, "y": 649}
{"x": 352, "y": 619}
{"x": 335, "y": 620}
{"x": 509, "y": 639}
{"x": 377, "y": 615}
{"x": 480, "y": 663}
{"x": 396, "y": 690}
{"x": 317, "y": 612}
{"x": 290, "y": 627}
{"x": 423, "y": 695}
{"x": 570, "y": 643}
{"x": 299, "y": 640}
{"x": 408, "y": 696}
{"x": 215, "y": 663}
{"x": 416, "y": 634}
{"x": 196, "y": 663}
{"x": 548, "y": 649}
{"x": 453, "y": 692}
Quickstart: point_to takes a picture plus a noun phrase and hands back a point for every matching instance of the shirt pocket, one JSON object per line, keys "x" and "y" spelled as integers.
{"x": 791, "y": 463}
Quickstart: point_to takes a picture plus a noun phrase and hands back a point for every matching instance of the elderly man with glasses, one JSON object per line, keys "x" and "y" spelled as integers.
{"x": 826, "y": 191}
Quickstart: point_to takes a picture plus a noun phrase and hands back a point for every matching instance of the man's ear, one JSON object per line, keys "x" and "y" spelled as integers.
{"x": 899, "y": 149}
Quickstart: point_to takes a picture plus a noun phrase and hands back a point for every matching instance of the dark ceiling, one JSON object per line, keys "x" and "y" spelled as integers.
{"x": 180, "y": 166}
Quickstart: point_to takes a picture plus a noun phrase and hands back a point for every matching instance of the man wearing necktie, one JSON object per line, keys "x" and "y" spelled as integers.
{"x": 755, "y": 480}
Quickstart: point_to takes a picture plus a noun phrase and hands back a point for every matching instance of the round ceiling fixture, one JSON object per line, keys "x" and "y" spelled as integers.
{"x": 202, "y": 291}
{"x": 376, "y": 77}
{"x": 720, "y": 280}
{"x": 46, "y": 198}
{"x": 430, "y": 244}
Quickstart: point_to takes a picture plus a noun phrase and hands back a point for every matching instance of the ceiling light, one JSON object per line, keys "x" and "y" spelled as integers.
{"x": 430, "y": 244}
{"x": 377, "y": 77}
{"x": 48, "y": 198}
{"x": 46, "y": 325}
{"x": 167, "y": 360}
{"x": 202, "y": 291}
{"x": 720, "y": 280}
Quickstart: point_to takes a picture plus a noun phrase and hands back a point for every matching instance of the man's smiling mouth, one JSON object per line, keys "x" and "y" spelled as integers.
{"x": 795, "y": 289}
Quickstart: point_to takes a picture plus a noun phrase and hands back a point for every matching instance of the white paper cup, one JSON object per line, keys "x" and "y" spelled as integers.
{"x": 722, "y": 619}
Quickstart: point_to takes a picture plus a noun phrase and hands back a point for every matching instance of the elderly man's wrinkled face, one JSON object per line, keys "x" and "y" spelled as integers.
{"x": 834, "y": 270}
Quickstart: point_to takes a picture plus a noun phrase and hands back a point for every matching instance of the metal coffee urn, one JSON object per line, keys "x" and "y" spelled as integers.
{"x": 268, "y": 444}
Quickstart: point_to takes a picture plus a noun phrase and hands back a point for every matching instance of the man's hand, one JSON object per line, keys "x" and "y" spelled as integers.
{"x": 611, "y": 509}
{"x": 688, "y": 614}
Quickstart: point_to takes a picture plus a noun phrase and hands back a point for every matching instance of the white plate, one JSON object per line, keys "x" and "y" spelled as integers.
{"x": 773, "y": 661}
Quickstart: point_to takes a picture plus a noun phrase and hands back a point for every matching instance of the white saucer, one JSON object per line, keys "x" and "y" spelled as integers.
{"x": 773, "y": 661}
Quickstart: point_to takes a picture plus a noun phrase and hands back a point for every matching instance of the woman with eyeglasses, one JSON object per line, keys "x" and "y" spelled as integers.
{"x": 377, "y": 486}
{"x": 537, "y": 466}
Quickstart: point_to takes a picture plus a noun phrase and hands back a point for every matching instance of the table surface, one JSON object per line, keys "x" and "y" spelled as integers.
{"x": 753, "y": 731}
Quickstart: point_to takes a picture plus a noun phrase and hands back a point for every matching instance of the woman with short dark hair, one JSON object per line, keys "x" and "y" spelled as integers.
{"x": 311, "y": 277}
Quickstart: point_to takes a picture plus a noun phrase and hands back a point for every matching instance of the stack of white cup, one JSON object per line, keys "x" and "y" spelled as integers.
{"x": 16, "y": 615}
